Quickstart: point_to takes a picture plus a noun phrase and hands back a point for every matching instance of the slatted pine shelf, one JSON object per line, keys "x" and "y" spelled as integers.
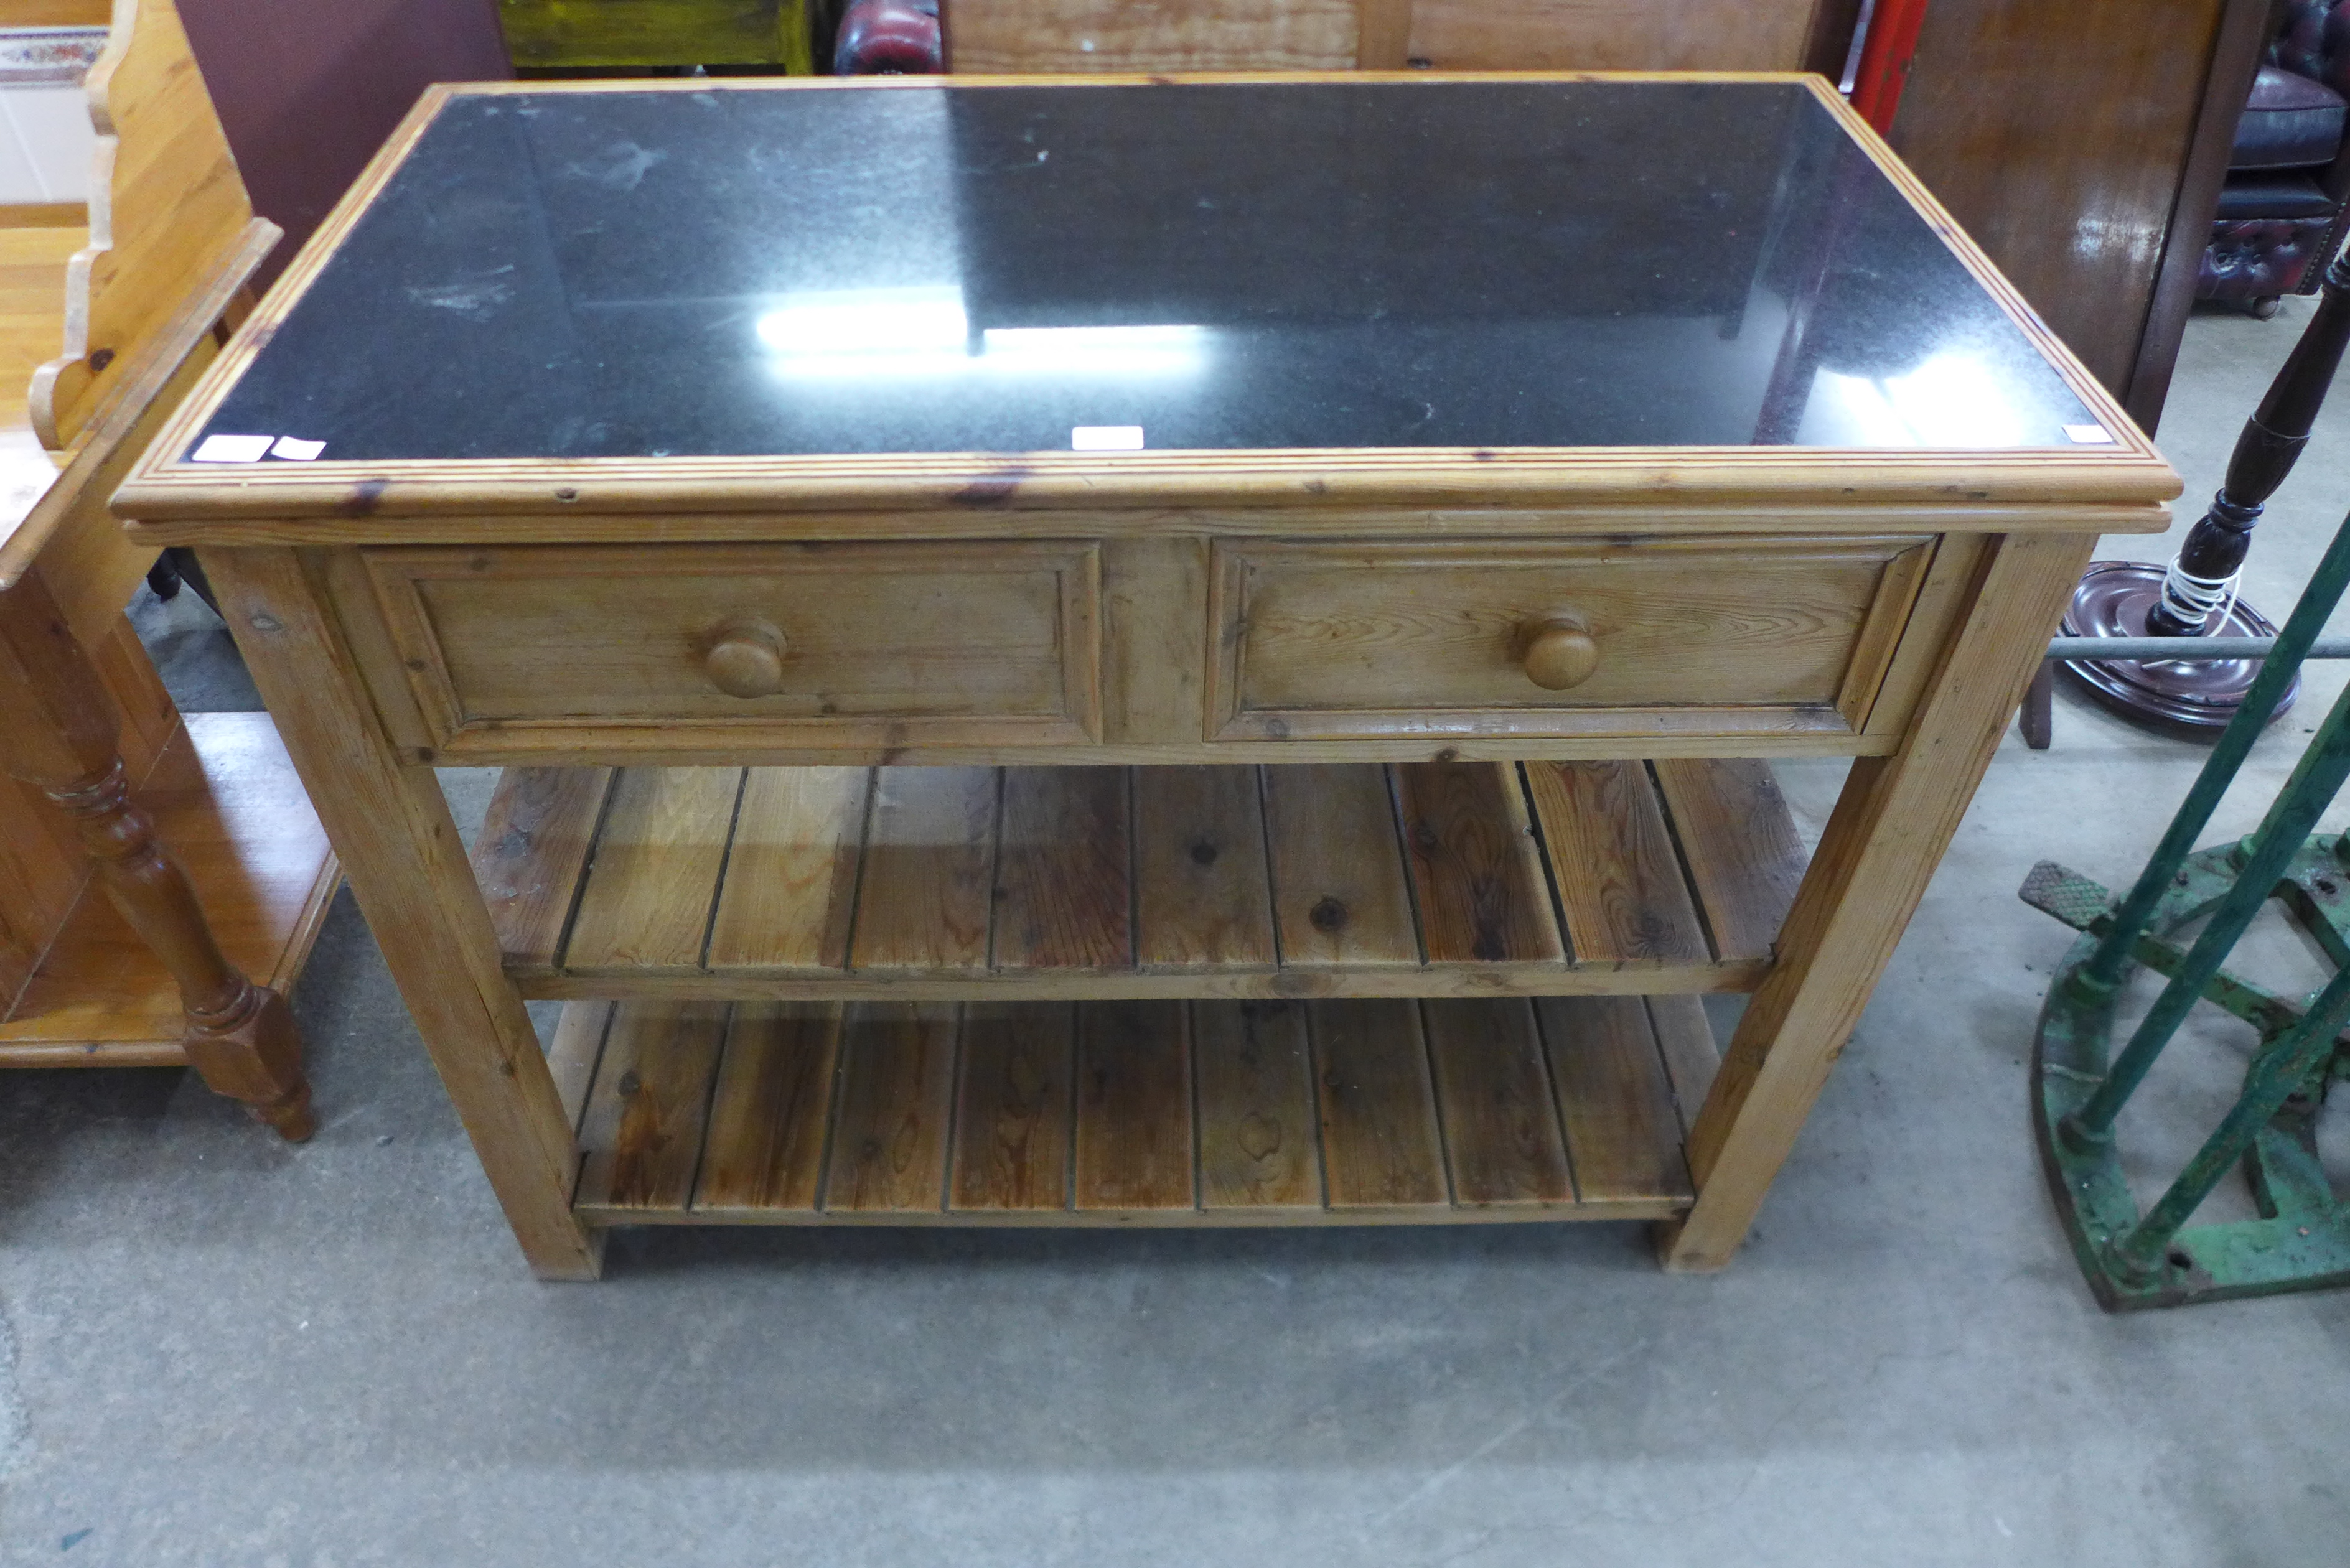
{"x": 1132, "y": 1112}
{"x": 1107, "y": 883}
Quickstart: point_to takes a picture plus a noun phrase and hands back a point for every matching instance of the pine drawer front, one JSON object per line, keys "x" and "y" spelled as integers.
{"x": 1648, "y": 637}
{"x": 821, "y": 645}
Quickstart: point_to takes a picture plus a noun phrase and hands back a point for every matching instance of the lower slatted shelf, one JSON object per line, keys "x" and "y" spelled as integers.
{"x": 1133, "y": 1113}
{"x": 1298, "y": 881}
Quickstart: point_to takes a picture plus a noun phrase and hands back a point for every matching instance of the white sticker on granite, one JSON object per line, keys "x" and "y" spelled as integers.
{"x": 230, "y": 448}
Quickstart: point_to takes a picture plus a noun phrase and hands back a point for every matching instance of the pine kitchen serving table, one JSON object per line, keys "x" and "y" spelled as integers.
{"x": 1140, "y": 652}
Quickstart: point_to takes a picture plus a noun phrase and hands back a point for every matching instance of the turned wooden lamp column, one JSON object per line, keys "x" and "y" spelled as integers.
{"x": 58, "y": 733}
{"x": 2195, "y": 595}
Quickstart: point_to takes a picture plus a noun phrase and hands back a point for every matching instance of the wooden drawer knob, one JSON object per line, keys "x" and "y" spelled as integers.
{"x": 747, "y": 658}
{"x": 1559, "y": 653}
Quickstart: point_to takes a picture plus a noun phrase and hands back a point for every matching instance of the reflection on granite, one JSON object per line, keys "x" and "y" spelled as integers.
{"x": 735, "y": 272}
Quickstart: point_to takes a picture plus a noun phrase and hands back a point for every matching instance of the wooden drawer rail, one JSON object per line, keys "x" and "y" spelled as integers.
{"x": 1416, "y": 880}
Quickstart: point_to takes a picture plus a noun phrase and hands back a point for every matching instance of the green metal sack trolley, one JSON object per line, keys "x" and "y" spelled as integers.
{"x": 2300, "y": 1239}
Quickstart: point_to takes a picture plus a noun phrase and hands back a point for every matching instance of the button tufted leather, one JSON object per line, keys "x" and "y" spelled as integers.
{"x": 2273, "y": 225}
{"x": 2260, "y": 258}
{"x": 2314, "y": 41}
{"x": 2273, "y": 196}
{"x": 2290, "y": 123}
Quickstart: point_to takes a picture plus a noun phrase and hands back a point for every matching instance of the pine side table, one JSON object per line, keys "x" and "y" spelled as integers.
{"x": 1140, "y": 652}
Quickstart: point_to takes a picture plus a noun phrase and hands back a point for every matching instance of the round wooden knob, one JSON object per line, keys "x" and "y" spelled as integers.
{"x": 747, "y": 658}
{"x": 1559, "y": 653}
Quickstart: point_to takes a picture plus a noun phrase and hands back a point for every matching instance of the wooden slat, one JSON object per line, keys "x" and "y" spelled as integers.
{"x": 1613, "y": 1098}
{"x": 530, "y": 853}
{"x": 1013, "y": 1109}
{"x": 770, "y": 1110}
{"x": 1255, "y": 1076}
{"x": 930, "y": 855}
{"x": 1612, "y": 861}
{"x": 1685, "y": 1040}
{"x": 1550, "y": 979}
{"x": 1133, "y": 1146}
{"x": 1338, "y": 888}
{"x": 653, "y": 874}
{"x": 1502, "y": 1137}
{"x": 1380, "y": 1146}
{"x": 1202, "y": 894}
{"x": 889, "y": 1141}
{"x": 1610, "y": 35}
{"x": 1210, "y": 913}
{"x": 1057, "y": 36}
{"x": 642, "y": 1133}
{"x": 1741, "y": 846}
{"x": 1094, "y": 1114}
{"x": 1064, "y": 888}
{"x": 791, "y": 876}
{"x": 1474, "y": 867}
{"x": 572, "y": 1054}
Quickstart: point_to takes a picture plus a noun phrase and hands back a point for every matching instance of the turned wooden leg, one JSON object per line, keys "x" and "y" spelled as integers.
{"x": 63, "y": 739}
{"x": 2195, "y": 595}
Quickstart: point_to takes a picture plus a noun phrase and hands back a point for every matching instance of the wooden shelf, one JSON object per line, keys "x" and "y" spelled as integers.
{"x": 1133, "y": 1113}
{"x": 229, "y": 807}
{"x": 1101, "y": 883}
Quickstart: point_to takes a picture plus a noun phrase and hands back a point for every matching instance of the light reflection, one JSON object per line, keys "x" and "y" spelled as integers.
{"x": 1095, "y": 350}
{"x": 1950, "y": 400}
{"x": 925, "y": 334}
{"x": 866, "y": 322}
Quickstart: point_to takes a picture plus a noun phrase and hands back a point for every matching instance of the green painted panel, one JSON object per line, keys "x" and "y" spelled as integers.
{"x": 543, "y": 34}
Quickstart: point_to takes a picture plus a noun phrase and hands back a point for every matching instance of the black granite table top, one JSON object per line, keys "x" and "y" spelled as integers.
{"x": 935, "y": 268}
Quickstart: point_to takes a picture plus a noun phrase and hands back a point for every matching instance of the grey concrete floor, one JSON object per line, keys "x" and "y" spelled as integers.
{"x": 215, "y": 1349}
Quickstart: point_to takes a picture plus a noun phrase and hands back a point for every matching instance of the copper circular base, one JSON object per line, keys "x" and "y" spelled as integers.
{"x": 2113, "y": 600}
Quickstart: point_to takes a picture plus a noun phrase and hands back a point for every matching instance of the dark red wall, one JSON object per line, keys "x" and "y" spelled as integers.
{"x": 307, "y": 89}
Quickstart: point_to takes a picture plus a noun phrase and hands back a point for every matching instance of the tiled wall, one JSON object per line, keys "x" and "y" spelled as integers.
{"x": 46, "y": 139}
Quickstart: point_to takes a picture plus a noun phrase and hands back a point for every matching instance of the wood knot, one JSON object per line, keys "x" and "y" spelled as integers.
{"x": 364, "y": 497}
{"x": 1203, "y": 854}
{"x": 1259, "y": 1135}
{"x": 1328, "y": 917}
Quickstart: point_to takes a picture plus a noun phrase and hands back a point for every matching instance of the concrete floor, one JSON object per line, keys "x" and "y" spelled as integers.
{"x": 217, "y": 1350}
